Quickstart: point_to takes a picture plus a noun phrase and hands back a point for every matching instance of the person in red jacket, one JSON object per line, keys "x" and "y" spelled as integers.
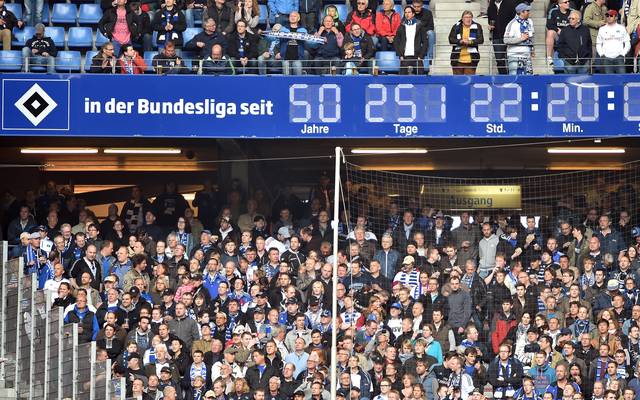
{"x": 130, "y": 61}
{"x": 365, "y": 18}
{"x": 387, "y": 24}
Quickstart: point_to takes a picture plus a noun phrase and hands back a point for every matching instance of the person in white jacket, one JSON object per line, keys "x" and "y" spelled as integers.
{"x": 518, "y": 36}
{"x": 612, "y": 45}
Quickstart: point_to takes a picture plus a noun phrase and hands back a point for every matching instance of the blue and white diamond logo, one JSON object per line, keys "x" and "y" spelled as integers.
{"x": 36, "y": 104}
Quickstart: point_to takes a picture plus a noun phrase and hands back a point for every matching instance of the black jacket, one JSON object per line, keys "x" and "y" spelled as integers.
{"x": 9, "y": 18}
{"x": 176, "y": 18}
{"x": 426, "y": 17}
{"x": 224, "y": 18}
{"x": 209, "y": 41}
{"x": 257, "y": 381}
{"x": 574, "y": 45}
{"x": 108, "y": 22}
{"x": 250, "y": 45}
{"x": 476, "y": 39}
{"x": 43, "y": 45}
{"x": 500, "y": 18}
{"x": 366, "y": 46}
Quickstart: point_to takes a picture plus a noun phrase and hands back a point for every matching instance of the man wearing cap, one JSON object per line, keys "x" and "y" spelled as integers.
{"x": 518, "y": 37}
{"x": 34, "y": 257}
{"x": 439, "y": 235}
{"x": 408, "y": 276}
{"x": 612, "y": 45}
{"x": 605, "y": 299}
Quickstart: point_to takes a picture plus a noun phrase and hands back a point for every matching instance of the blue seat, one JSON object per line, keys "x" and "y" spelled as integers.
{"x": 80, "y": 38}
{"x": 88, "y": 58}
{"x": 100, "y": 39}
{"x": 189, "y": 33}
{"x": 264, "y": 13}
{"x": 15, "y": 8}
{"x": 64, "y": 13}
{"x": 68, "y": 61}
{"x": 10, "y": 60}
{"x": 56, "y": 33}
{"x": 22, "y": 35}
{"x": 148, "y": 60}
{"x": 387, "y": 61}
{"x": 89, "y": 14}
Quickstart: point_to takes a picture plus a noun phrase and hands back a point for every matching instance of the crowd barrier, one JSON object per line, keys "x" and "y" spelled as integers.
{"x": 40, "y": 357}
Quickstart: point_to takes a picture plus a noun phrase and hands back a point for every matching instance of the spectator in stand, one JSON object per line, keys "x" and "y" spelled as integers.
{"x": 411, "y": 43}
{"x": 281, "y": 9}
{"x": 363, "y": 48}
{"x": 169, "y": 22}
{"x": 595, "y": 17}
{"x": 333, "y": 11}
{"x": 267, "y": 50}
{"x": 104, "y": 62}
{"x": 518, "y": 37}
{"x": 204, "y": 41}
{"x": 249, "y": 12}
{"x": 222, "y": 14}
{"x": 364, "y": 17}
{"x": 119, "y": 24}
{"x": 8, "y": 21}
{"x": 130, "y": 62}
{"x": 557, "y": 20}
{"x": 292, "y": 51}
{"x": 574, "y": 46}
{"x": 426, "y": 16}
{"x": 328, "y": 52}
{"x": 168, "y": 62}
{"x": 633, "y": 18}
{"x": 217, "y": 63}
{"x": 612, "y": 44}
{"x": 144, "y": 40}
{"x": 40, "y": 51}
{"x": 387, "y": 24}
{"x": 500, "y": 13}
{"x": 243, "y": 49}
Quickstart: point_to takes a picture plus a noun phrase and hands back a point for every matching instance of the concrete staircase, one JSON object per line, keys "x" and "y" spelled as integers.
{"x": 447, "y": 12}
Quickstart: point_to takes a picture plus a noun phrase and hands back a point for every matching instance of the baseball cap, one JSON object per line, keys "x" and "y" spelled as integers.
{"x": 635, "y": 232}
{"x": 165, "y": 369}
{"x": 314, "y": 301}
{"x": 210, "y": 393}
{"x": 439, "y": 215}
{"x": 612, "y": 13}
{"x": 134, "y": 355}
{"x": 326, "y": 313}
{"x": 522, "y": 7}
{"x": 612, "y": 284}
{"x": 261, "y": 294}
{"x": 35, "y": 235}
{"x": 565, "y": 331}
{"x": 292, "y": 300}
{"x": 231, "y": 350}
{"x": 258, "y": 310}
{"x": 134, "y": 291}
{"x": 408, "y": 260}
{"x": 396, "y": 305}
{"x": 168, "y": 292}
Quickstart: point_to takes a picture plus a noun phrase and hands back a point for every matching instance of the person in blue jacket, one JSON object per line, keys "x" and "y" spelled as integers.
{"x": 282, "y": 9}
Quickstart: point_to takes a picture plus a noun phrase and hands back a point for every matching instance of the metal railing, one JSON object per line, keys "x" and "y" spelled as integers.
{"x": 40, "y": 357}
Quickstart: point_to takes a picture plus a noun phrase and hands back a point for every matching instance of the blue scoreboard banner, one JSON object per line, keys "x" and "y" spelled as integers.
{"x": 320, "y": 107}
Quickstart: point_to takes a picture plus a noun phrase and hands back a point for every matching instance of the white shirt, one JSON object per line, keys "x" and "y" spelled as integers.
{"x": 52, "y": 286}
{"x": 612, "y": 41}
{"x": 409, "y": 46}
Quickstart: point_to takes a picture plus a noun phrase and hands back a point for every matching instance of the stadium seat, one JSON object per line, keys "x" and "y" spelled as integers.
{"x": 15, "y": 8}
{"x": 189, "y": 33}
{"x": 10, "y": 60}
{"x": 88, "y": 59}
{"x": 22, "y": 35}
{"x": 64, "y": 13}
{"x": 264, "y": 13}
{"x": 80, "y": 38}
{"x": 68, "y": 61}
{"x": 56, "y": 33}
{"x": 89, "y": 14}
{"x": 148, "y": 60}
{"x": 100, "y": 39}
{"x": 387, "y": 61}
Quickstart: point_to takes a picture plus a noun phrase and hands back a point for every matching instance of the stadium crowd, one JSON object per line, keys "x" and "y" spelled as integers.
{"x": 236, "y": 303}
{"x": 580, "y": 36}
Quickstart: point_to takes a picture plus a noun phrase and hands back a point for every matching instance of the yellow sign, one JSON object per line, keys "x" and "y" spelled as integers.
{"x": 469, "y": 197}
